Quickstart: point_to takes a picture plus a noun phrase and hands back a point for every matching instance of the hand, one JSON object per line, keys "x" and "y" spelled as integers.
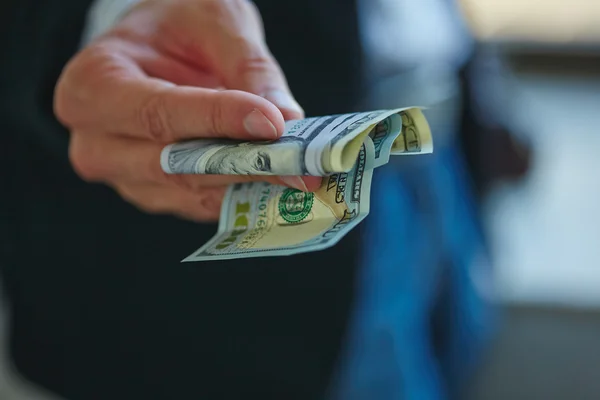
{"x": 173, "y": 70}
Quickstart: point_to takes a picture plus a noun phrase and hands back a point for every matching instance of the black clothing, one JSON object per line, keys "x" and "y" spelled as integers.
{"x": 101, "y": 306}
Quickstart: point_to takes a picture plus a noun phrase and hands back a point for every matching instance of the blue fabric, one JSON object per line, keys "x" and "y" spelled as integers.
{"x": 423, "y": 253}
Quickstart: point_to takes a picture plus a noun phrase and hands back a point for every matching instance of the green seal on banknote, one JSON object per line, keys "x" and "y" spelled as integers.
{"x": 295, "y": 205}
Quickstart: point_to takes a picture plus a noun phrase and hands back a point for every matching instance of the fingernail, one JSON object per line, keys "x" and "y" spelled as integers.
{"x": 283, "y": 101}
{"x": 295, "y": 181}
{"x": 258, "y": 125}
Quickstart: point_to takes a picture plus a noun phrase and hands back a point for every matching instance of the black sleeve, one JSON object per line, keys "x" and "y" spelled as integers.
{"x": 101, "y": 306}
{"x": 37, "y": 38}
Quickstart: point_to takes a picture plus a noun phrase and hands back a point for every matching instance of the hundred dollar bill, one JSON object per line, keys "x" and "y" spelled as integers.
{"x": 318, "y": 146}
{"x": 259, "y": 219}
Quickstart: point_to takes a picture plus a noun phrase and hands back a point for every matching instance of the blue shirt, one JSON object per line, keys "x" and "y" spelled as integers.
{"x": 423, "y": 252}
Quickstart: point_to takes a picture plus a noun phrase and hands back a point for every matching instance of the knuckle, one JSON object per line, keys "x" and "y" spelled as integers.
{"x": 187, "y": 183}
{"x": 253, "y": 58}
{"x": 82, "y": 162}
{"x": 125, "y": 193}
{"x": 205, "y": 207}
{"x": 211, "y": 201}
{"x": 147, "y": 204}
{"x": 150, "y": 207}
{"x": 75, "y": 82}
{"x": 253, "y": 54}
{"x": 61, "y": 104}
{"x": 216, "y": 115}
{"x": 64, "y": 103}
{"x": 154, "y": 118}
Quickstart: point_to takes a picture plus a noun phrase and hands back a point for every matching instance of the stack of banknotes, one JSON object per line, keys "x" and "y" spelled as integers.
{"x": 261, "y": 219}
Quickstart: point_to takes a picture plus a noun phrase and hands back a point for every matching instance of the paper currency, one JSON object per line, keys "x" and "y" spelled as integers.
{"x": 260, "y": 219}
{"x": 314, "y": 146}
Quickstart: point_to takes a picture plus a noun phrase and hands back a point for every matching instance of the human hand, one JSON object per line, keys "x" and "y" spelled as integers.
{"x": 172, "y": 70}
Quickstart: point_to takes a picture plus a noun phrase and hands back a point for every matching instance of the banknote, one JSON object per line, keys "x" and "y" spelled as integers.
{"x": 318, "y": 146}
{"x": 259, "y": 219}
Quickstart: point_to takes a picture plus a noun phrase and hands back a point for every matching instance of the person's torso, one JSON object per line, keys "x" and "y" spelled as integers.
{"x": 101, "y": 305}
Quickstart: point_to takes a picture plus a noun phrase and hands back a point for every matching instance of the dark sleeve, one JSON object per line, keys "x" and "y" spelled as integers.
{"x": 101, "y": 306}
{"x": 37, "y": 39}
{"x": 317, "y": 44}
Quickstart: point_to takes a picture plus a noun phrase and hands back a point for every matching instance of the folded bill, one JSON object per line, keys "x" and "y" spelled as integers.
{"x": 317, "y": 146}
{"x": 260, "y": 219}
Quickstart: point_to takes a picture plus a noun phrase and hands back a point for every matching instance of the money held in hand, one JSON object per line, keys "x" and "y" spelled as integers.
{"x": 260, "y": 219}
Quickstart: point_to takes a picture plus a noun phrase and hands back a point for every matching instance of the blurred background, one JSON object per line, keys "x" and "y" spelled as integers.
{"x": 523, "y": 77}
{"x": 544, "y": 229}
{"x": 515, "y": 86}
